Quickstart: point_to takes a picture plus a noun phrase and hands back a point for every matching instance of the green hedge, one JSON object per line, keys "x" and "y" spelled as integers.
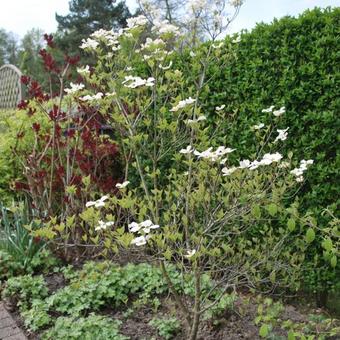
{"x": 293, "y": 62}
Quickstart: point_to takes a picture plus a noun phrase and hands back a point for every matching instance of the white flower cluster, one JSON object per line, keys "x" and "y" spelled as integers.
{"x": 209, "y": 153}
{"x": 217, "y": 46}
{"x": 74, "y": 88}
{"x": 97, "y": 204}
{"x": 182, "y": 104}
{"x": 104, "y": 225}
{"x": 134, "y": 22}
{"x": 143, "y": 228}
{"x": 133, "y": 82}
{"x": 90, "y": 98}
{"x": 190, "y": 253}
{"x": 89, "y": 43}
{"x": 282, "y": 135}
{"x": 298, "y": 172}
{"x": 276, "y": 113}
{"x": 164, "y": 27}
{"x": 247, "y": 164}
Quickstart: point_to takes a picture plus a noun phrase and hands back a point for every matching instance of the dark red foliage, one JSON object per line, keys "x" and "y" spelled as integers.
{"x": 36, "y": 127}
{"x": 72, "y": 60}
{"x": 25, "y": 80}
{"x": 23, "y": 104}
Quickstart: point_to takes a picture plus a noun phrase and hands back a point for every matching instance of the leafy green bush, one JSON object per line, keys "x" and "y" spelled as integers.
{"x": 88, "y": 328}
{"x": 292, "y": 62}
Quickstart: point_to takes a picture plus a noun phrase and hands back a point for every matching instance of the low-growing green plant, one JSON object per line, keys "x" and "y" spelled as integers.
{"x": 166, "y": 327}
{"x": 24, "y": 289}
{"x": 36, "y": 317}
{"x": 87, "y": 328}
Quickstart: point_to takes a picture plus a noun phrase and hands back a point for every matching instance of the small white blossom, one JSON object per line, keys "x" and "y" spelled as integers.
{"x": 97, "y": 204}
{"x": 164, "y": 27}
{"x": 259, "y": 126}
{"x": 144, "y": 227}
{"x": 213, "y": 155}
{"x": 283, "y": 134}
{"x": 220, "y": 108}
{"x": 298, "y": 172}
{"x": 165, "y": 67}
{"x": 133, "y": 82}
{"x": 104, "y": 225}
{"x": 284, "y": 165}
{"x": 84, "y": 70}
{"x": 192, "y": 54}
{"x": 97, "y": 96}
{"x": 199, "y": 119}
{"x": 139, "y": 241}
{"x": 244, "y": 164}
{"x": 279, "y": 112}
{"x": 110, "y": 94}
{"x": 122, "y": 185}
{"x": 138, "y": 21}
{"x": 270, "y": 109}
{"x": 187, "y": 150}
{"x": 89, "y": 43}
{"x": 182, "y": 104}
{"x": 228, "y": 171}
{"x": 190, "y": 253}
{"x": 74, "y": 88}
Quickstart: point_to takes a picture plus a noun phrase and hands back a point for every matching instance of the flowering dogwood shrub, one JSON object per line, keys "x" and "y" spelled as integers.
{"x": 185, "y": 196}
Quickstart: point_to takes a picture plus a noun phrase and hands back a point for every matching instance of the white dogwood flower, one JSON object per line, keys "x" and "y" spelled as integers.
{"x": 133, "y": 82}
{"x": 74, "y": 88}
{"x": 122, "y": 185}
{"x": 187, "y": 150}
{"x": 228, "y": 171}
{"x": 183, "y": 103}
{"x": 282, "y": 135}
{"x": 97, "y": 204}
{"x": 270, "y": 109}
{"x": 220, "y": 108}
{"x": 259, "y": 126}
{"x": 281, "y": 111}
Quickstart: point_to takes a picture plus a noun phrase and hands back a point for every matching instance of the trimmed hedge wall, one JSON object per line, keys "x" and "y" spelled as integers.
{"x": 293, "y": 62}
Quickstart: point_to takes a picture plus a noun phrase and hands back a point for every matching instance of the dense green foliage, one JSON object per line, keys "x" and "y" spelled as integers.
{"x": 292, "y": 62}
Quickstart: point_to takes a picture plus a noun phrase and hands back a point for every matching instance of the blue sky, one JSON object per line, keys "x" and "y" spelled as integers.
{"x": 19, "y": 16}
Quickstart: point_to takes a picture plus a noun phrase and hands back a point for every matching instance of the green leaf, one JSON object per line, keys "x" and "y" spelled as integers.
{"x": 256, "y": 211}
{"x": 291, "y": 335}
{"x": 310, "y": 235}
{"x": 291, "y": 224}
{"x": 264, "y": 330}
{"x": 272, "y": 209}
{"x": 327, "y": 244}
{"x": 333, "y": 261}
